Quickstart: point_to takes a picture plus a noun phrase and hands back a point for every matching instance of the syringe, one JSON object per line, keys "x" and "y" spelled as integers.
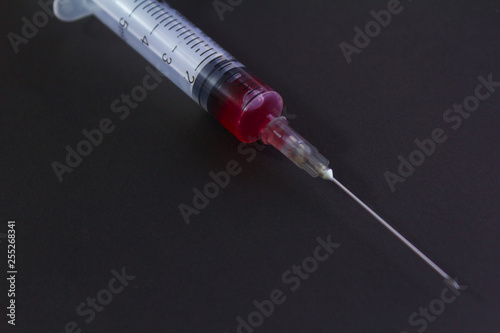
{"x": 214, "y": 79}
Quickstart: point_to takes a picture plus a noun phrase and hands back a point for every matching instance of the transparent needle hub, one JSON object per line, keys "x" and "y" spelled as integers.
{"x": 296, "y": 148}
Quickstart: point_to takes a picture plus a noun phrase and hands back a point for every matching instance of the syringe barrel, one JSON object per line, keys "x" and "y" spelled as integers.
{"x": 189, "y": 58}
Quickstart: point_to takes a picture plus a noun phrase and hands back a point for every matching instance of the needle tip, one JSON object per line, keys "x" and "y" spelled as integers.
{"x": 453, "y": 283}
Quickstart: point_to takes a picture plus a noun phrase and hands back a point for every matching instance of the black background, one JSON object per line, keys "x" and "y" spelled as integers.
{"x": 119, "y": 208}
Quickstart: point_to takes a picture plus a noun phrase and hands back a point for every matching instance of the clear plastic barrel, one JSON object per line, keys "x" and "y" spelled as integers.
{"x": 189, "y": 58}
{"x": 164, "y": 37}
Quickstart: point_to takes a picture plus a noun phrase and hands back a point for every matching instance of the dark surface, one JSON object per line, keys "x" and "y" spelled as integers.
{"x": 119, "y": 208}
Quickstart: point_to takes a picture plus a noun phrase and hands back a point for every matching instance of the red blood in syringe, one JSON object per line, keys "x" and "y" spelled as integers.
{"x": 244, "y": 105}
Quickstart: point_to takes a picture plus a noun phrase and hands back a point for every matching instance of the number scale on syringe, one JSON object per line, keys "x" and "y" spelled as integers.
{"x": 194, "y": 62}
{"x": 165, "y": 38}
